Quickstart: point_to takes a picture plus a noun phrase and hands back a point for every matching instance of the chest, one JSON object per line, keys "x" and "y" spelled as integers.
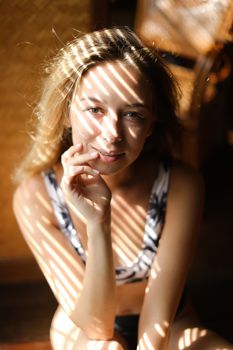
{"x": 128, "y": 218}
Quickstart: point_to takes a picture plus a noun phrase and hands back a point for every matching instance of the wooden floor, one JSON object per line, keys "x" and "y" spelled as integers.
{"x": 26, "y": 310}
{"x": 45, "y": 345}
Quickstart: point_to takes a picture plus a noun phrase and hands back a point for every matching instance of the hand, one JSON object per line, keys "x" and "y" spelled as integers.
{"x": 83, "y": 186}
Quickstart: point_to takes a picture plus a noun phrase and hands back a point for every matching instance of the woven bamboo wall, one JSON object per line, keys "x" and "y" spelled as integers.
{"x": 26, "y": 39}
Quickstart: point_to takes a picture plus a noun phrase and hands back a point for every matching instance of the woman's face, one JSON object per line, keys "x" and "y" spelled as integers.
{"x": 111, "y": 113}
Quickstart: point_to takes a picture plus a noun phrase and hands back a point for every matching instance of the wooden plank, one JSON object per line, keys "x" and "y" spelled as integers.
{"x": 45, "y": 345}
{"x": 20, "y": 270}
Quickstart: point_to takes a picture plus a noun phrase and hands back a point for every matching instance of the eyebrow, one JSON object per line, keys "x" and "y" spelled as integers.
{"x": 139, "y": 105}
{"x": 93, "y": 99}
{"x": 134, "y": 105}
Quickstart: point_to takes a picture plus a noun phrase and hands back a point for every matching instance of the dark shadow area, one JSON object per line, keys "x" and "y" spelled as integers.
{"x": 123, "y": 12}
{"x": 211, "y": 283}
{"x": 26, "y": 312}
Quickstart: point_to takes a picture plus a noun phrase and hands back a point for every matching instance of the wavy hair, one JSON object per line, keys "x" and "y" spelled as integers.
{"x": 52, "y": 135}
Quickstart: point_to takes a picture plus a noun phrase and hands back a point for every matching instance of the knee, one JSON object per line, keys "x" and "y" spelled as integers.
{"x": 65, "y": 334}
{"x": 104, "y": 345}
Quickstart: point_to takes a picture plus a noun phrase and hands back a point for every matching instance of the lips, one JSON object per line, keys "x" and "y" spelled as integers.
{"x": 109, "y": 156}
{"x": 108, "y": 153}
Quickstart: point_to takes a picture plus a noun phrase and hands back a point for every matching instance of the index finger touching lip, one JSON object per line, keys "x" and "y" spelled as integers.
{"x": 72, "y": 150}
{"x": 83, "y": 158}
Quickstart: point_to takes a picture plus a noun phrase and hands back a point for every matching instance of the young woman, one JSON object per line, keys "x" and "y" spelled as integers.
{"x": 111, "y": 219}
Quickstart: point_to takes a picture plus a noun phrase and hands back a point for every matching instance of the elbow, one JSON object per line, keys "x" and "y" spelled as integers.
{"x": 94, "y": 330}
{"x": 96, "y": 327}
{"x": 99, "y": 334}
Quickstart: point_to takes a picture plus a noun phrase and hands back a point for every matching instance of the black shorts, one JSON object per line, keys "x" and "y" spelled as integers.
{"x": 127, "y": 325}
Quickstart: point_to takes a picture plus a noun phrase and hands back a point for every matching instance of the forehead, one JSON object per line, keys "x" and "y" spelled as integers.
{"x": 115, "y": 79}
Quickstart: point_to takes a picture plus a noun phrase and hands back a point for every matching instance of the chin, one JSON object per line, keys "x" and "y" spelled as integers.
{"x": 108, "y": 169}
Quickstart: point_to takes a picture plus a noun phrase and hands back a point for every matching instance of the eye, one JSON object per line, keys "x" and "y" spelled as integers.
{"x": 135, "y": 116}
{"x": 95, "y": 110}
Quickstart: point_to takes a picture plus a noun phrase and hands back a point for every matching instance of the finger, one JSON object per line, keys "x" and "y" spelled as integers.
{"x": 79, "y": 159}
{"x": 74, "y": 172}
{"x": 71, "y": 152}
{"x": 80, "y": 170}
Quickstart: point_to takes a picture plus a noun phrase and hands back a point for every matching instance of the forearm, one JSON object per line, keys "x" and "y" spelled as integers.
{"x": 154, "y": 328}
{"x": 95, "y": 307}
{"x": 153, "y": 339}
{"x": 148, "y": 345}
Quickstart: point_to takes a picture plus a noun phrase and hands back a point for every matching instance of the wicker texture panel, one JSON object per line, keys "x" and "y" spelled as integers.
{"x": 186, "y": 27}
{"x": 26, "y": 39}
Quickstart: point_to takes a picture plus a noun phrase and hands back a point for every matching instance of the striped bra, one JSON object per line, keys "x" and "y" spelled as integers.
{"x": 138, "y": 269}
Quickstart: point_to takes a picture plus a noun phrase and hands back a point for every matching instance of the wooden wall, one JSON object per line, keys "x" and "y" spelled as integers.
{"x": 26, "y": 39}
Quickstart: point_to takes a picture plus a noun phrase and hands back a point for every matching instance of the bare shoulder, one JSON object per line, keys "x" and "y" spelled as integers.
{"x": 186, "y": 191}
{"x": 185, "y": 179}
{"x": 29, "y": 188}
{"x": 31, "y": 199}
{"x": 185, "y": 204}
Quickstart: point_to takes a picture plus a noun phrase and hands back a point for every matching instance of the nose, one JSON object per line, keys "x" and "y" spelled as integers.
{"x": 112, "y": 130}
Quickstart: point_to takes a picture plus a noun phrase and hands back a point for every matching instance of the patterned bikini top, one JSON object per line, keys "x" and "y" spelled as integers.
{"x": 138, "y": 269}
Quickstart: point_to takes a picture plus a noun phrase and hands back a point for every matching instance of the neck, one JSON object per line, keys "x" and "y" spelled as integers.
{"x": 131, "y": 175}
{"x": 121, "y": 179}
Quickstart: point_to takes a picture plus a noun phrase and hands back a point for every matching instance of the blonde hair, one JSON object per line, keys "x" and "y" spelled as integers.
{"x": 52, "y": 134}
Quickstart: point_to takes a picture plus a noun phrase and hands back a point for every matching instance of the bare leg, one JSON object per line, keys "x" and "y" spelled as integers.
{"x": 188, "y": 333}
{"x": 65, "y": 335}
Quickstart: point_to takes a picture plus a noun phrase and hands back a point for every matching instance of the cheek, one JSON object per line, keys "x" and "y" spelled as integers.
{"x": 137, "y": 138}
{"x": 138, "y": 133}
{"x": 85, "y": 127}
{"x": 133, "y": 133}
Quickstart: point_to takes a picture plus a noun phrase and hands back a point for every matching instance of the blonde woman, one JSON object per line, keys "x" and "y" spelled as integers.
{"x": 111, "y": 219}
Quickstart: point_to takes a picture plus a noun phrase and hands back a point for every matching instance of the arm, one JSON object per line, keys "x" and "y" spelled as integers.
{"x": 89, "y": 196}
{"x": 87, "y": 296}
{"x": 95, "y": 308}
{"x": 170, "y": 268}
